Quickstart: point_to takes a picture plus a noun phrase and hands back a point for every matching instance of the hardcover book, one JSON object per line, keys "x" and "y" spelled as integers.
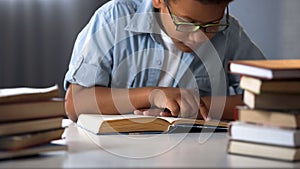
{"x": 27, "y": 126}
{"x": 35, "y": 150}
{"x": 287, "y": 118}
{"x": 272, "y": 101}
{"x": 258, "y": 86}
{"x": 32, "y": 110}
{"x": 28, "y": 140}
{"x": 264, "y": 134}
{"x": 105, "y": 124}
{"x": 26, "y": 94}
{"x": 267, "y": 69}
{"x": 263, "y": 151}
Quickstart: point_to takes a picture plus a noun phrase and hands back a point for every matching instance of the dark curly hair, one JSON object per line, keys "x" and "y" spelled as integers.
{"x": 210, "y": 1}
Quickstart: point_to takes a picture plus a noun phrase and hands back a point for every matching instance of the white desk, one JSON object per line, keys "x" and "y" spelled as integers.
{"x": 154, "y": 150}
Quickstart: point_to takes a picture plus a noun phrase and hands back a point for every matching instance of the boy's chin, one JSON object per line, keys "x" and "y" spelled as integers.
{"x": 181, "y": 46}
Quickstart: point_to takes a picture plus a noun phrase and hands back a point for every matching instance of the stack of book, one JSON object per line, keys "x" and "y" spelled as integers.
{"x": 30, "y": 121}
{"x": 268, "y": 126}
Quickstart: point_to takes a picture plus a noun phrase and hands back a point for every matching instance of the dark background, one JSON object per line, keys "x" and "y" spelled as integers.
{"x": 37, "y": 37}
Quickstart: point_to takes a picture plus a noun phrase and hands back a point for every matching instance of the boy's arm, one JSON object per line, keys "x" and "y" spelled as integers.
{"x": 229, "y": 102}
{"x": 103, "y": 100}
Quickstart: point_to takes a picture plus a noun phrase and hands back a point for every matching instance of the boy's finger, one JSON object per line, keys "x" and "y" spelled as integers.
{"x": 174, "y": 108}
{"x": 137, "y": 112}
{"x": 152, "y": 112}
{"x": 165, "y": 114}
{"x": 204, "y": 111}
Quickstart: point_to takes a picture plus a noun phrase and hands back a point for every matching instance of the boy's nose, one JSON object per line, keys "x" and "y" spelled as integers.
{"x": 196, "y": 38}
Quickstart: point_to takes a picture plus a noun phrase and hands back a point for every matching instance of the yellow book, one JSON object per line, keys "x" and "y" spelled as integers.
{"x": 105, "y": 124}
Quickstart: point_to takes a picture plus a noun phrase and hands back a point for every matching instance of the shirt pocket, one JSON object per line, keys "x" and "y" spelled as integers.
{"x": 204, "y": 85}
{"x": 212, "y": 85}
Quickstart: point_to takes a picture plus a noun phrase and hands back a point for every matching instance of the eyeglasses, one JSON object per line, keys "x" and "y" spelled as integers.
{"x": 184, "y": 26}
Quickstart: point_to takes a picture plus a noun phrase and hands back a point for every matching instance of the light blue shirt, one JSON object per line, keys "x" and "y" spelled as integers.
{"x": 121, "y": 47}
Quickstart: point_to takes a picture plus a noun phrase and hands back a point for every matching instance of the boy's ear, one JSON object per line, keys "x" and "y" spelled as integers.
{"x": 158, "y": 3}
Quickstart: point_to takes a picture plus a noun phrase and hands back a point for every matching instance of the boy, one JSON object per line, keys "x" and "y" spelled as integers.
{"x": 159, "y": 57}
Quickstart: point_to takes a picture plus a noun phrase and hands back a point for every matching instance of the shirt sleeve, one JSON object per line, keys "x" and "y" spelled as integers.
{"x": 93, "y": 54}
{"x": 90, "y": 62}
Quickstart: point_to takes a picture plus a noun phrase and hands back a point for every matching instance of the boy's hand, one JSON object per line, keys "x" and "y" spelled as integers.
{"x": 153, "y": 112}
{"x": 175, "y": 102}
{"x": 167, "y": 113}
{"x": 180, "y": 102}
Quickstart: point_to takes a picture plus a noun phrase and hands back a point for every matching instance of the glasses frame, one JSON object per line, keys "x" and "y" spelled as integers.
{"x": 197, "y": 27}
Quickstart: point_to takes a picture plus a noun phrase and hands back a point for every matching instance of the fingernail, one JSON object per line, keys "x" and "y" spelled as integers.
{"x": 137, "y": 112}
{"x": 146, "y": 113}
{"x": 207, "y": 118}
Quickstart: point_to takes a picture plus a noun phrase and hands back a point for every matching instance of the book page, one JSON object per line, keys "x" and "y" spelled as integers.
{"x": 173, "y": 120}
{"x": 213, "y": 122}
{"x": 97, "y": 123}
{"x": 123, "y": 116}
{"x": 170, "y": 120}
{"x": 25, "y": 90}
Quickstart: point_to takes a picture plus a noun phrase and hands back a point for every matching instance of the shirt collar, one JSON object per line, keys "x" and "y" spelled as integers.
{"x": 144, "y": 20}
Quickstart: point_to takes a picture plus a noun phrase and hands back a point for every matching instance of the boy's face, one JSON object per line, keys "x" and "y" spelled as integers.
{"x": 189, "y": 11}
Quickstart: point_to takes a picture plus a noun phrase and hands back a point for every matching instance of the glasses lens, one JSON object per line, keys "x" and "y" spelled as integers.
{"x": 183, "y": 25}
{"x": 214, "y": 29}
{"x": 187, "y": 28}
{"x": 193, "y": 28}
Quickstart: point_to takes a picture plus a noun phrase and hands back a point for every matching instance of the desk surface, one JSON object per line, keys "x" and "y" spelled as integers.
{"x": 200, "y": 150}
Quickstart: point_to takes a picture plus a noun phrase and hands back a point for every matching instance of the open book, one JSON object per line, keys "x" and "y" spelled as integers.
{"x": 105, "y": 124}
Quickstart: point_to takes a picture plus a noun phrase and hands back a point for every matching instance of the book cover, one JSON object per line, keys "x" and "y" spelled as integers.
{"x": 264, "y": 134}
{"x": 20, "y": 127}
{"x": 32, "y": 110}
{"x": 35, "y": 150}
{"x": 27, "y": 140}
{"x": 104, "y": 124}
{"x": 27, "y": 94}
{"x": 263, "y": 151}
{"x": 258, "y": 86}
{"x": 272, "y": 101}
{"x": 285, "y": 118}
{"x": 267, "y": 69}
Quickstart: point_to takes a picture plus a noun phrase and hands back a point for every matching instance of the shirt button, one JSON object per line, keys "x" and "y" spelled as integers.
{"x": 159, "y": 62}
